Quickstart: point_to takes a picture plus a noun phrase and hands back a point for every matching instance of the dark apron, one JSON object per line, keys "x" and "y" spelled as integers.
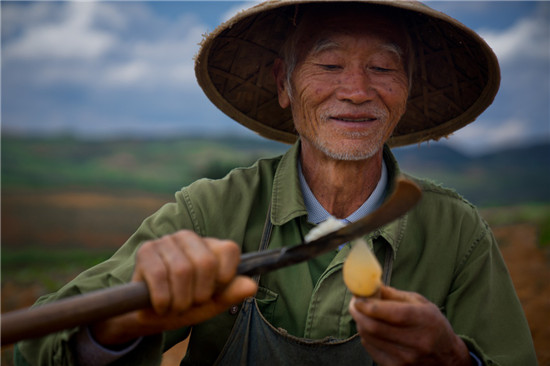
{"x": 254, "y": 341}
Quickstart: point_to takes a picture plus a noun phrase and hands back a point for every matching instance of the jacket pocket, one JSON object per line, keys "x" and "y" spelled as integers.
{"x": 266, "y": 300}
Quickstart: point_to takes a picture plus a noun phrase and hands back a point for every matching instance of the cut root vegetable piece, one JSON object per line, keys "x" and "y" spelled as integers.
{"x": 362, "y": 272}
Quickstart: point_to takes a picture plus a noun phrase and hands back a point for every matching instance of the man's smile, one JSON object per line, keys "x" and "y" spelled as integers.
{"x": 359, "y": 119}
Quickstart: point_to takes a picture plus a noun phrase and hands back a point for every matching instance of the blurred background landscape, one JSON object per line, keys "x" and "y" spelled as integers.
{"x": 68, "y": 204}
{"x": 102, "y": 122}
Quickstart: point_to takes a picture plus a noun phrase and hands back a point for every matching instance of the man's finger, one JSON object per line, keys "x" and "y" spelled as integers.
{"x": 390, "y": 293}
{"x": 395, "y": 312}
{"x": 381, "y": 328}
{"x": 156, "y": 276}
{"x": 181, "y": 274}
{"x": 234, "y": 293}
{"x": 229, "y": 256}
{"x": 204, "y": 264}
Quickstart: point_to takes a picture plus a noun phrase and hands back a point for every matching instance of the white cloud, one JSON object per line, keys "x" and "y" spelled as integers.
{"x": 128, "y": 73}
{"x": 71, "y": 37}
{"x": 528, "y": 38}
{"x": 509, "y": 130}
{"x": 16, "y": 17}
{"x": 102, "y": 45}
{"x": 154, "y": 63}
{"x": 485, "y": 135}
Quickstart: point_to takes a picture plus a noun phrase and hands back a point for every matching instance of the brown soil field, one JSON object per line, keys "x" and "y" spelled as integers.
{"x": 529, "y": 268}
{"x": 96, "y": 219}
{"x": 69, "y": 219}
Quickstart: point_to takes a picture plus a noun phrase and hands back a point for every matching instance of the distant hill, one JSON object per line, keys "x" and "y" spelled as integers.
{"x": 153, "y": 165}
{"x": 506, "y": 177}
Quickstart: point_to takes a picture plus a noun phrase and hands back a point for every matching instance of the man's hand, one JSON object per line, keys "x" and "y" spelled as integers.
{"x": 404, "y": 328}
{"x": 190, "y": 279}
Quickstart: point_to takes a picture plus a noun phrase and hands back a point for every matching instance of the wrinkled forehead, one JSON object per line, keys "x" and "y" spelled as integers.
{"x": 319, "y": 25}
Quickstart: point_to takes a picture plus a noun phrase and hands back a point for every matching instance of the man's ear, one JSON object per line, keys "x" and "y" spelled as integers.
{"x": 279, "y": 71}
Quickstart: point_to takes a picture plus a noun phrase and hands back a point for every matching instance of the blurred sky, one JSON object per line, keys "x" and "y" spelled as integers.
{"x": 110, "y": 69}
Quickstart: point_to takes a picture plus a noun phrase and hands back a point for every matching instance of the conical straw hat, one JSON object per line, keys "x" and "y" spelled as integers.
{"x": 455, "y": 78}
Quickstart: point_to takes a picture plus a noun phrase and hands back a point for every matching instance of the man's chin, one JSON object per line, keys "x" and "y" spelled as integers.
{"x": 350, "y": 153}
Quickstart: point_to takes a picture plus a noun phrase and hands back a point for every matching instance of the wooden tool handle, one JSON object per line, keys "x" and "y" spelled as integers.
{"x": 78, "y": 310}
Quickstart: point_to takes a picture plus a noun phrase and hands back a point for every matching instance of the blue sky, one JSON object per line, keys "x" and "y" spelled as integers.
{"x": 108, "y": 69}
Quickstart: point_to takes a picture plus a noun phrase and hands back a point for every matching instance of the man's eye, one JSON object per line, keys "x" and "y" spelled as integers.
{"x": 329, "y": 67}
{"x": 380, "y": 69}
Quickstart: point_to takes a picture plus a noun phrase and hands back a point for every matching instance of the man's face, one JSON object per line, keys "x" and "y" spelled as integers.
{"x": 349, "y": 88}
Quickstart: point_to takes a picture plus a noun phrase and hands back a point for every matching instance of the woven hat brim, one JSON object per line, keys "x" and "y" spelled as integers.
{"x": 456, "y": 74}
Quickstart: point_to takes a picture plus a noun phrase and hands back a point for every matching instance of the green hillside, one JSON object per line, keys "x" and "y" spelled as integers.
{"x": 159, "y": 166}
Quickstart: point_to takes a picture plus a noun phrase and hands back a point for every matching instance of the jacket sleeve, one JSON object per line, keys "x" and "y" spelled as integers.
{"x": 57, "y": 348}
{"x": 484, "y": 309}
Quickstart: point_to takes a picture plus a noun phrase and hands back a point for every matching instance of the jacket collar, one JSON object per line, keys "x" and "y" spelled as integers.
{"x": 287, "y": 202}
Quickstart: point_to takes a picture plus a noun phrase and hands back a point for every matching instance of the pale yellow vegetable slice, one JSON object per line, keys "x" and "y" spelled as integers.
{"x": 362, "y": 272}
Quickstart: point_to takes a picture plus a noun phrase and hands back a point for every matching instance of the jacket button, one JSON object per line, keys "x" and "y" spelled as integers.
{"x": 234, "y": 309}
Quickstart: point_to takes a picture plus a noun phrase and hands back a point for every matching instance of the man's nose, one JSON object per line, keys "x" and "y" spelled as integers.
{"x": 356, "y": 87}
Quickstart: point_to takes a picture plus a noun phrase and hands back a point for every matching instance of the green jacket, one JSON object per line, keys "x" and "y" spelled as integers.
{"x": 442, "y": 250}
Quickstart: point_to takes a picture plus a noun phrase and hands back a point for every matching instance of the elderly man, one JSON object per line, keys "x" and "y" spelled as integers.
{"x": 350, "y": 78}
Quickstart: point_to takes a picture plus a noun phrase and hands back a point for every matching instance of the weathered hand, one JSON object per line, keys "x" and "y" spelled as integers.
{"x": 404, "y": 328}
{"x": 190, "y": 279}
